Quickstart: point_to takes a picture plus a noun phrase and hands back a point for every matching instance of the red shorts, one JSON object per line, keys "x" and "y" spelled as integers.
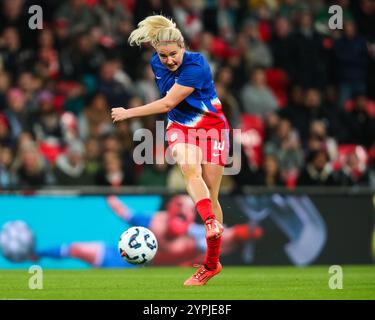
{"x": 214, "y": 143}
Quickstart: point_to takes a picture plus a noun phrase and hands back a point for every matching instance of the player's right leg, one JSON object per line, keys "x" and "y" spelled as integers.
{"x": 212, "y": 174}
{"x": 189, "y": 159}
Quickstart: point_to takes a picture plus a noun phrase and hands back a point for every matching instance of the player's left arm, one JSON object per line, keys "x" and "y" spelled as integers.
{"x": 174, "y": 96}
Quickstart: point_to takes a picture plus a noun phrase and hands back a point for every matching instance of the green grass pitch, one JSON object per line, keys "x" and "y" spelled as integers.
{"x": 157, "y": 283}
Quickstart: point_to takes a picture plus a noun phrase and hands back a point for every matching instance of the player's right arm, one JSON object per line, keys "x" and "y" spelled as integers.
{"x": 174, "y": 96}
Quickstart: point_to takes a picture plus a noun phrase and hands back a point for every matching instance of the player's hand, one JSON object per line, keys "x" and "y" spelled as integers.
{"x": 119, "y": 114}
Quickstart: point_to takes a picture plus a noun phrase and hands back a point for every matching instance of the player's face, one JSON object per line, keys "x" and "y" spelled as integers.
{"x": 170, "y": 55}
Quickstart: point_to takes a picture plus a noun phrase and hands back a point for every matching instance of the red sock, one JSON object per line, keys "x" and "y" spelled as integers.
{"x": 204, "y": 208}
{"x": 213, "y": 253}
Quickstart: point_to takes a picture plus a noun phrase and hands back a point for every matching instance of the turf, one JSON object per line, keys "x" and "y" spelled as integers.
{"x": 234, "y": 283}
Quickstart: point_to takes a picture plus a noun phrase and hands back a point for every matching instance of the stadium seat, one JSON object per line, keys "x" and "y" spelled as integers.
{"x": 252, "y": 136}
{"x": 50, "y": 151}
{"x": 277, "y": 80}
{"x": 370, "y": 107}
{"x": 344, "y": 150}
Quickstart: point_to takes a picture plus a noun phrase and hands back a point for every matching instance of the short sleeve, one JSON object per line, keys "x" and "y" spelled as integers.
{"x": 192, "y": 76}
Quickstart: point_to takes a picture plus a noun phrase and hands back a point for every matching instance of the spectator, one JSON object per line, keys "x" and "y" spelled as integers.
{"x": 95, "y": 119}
{"x": 286, "y": 147}
{"x": 112, "y": 23}
{"x": 188, "y": 20}
{"x": 256, "y": 97}
{"x": 47, "y": 53}
{"x": 361, "y": 125}
{"x": 110, "y": 86}
{"x": 352, "y": 60}
{"x": 111, "y": 143}
{"x": 236, "y": 62}
{"x": 6, "y": 176}
{"x": 146, "y": 87}
{"x": 319, "y": 139}
{"x": 72, "y": 18}
{"x": 271, "y": 125}
{"x": 354, "y": 172}
{"x": 112, "y": 173}
{"x": 222, "y": 20}
{"x": 70, "y": 167}
{"x": 288, "y": 8}
{"x": 124, "y": 137}
{"x": 175, "y": 180}
{"x": 312, "y": 109}
{"x": 80, "y": 65}
{"x": 30, "y": 168}
{"x": 229, "y": 104}
{"x": 364, "y": 11}
{"x": 16, "y": 112}
{"x": 82, "y": 57}
{"x": 269, "y": 175}
{"x": 318, "y": 171}
{"x": 5, "y": 134}
{"x": 14, "y": 58}
{"x": 281, "y": 45}
{"x": 258, "y": 53}
{"x": 93, "y": 153}
{"x": 309, "y": 59}
{"x": 209, "y": 51}
{"x": 154, "y": 174}
{"x": 12, "y": 15}
{"x": 46, "y": 124}
{"x": 336, "y": 115}
{"x": 144, "y": 8}
{"x": 30, "y": 84}
{"x": 5, "y": 83}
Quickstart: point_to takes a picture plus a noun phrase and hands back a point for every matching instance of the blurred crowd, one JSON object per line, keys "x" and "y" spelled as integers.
{"x": 303, "y": 94}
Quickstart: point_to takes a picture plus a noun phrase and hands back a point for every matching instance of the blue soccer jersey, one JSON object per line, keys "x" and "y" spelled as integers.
{"x": 201, "y": 109}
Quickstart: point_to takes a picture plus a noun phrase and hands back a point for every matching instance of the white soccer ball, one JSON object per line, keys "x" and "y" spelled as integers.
{"x": 138, "y": 245}
{"x": 16, "y": 241}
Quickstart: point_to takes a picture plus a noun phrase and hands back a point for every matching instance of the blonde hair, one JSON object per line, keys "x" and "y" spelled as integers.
{"x": 156, "y": 29}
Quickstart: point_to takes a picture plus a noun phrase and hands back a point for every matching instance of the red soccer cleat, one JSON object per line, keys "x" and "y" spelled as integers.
{"x": 214, "y": 229}
{"x": 202, "y": 275}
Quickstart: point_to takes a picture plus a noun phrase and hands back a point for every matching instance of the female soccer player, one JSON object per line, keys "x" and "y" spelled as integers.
{"x": 197, "y": 130}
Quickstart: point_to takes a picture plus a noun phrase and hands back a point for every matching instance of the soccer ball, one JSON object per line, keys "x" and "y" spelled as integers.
{"x": 138, "y": 245}
{"x": 16, "y": 241}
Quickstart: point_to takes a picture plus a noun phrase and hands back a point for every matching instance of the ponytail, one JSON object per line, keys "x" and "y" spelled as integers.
{"x": 156, "y": 29}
